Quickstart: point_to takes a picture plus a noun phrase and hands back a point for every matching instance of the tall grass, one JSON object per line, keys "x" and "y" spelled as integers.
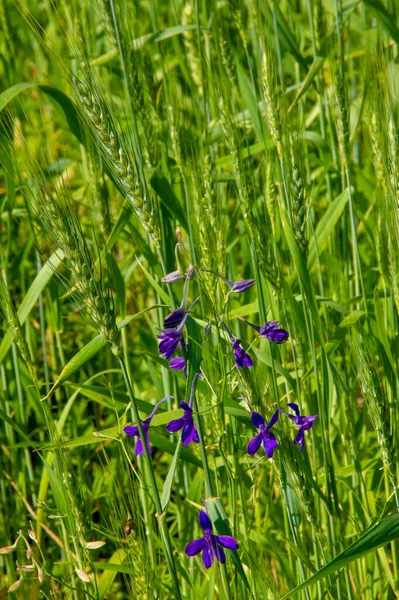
{"x": 155, "y": 158}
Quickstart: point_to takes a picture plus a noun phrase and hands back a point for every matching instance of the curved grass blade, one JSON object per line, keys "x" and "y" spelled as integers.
{"x": 90, "y": 350}
{"x": 380, "y": 534}
{"x": 32, "y": 295}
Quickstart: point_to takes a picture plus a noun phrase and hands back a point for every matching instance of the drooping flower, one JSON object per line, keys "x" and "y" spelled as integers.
{"x": 241, "y": 358}
{"x": 265, "y": 436}
{"x": 303, "y": 422}
{"x": 186, "y": 423}
{"x": 270, "y": 330}
{"x": 236, "y": 286}
{"x": 210, "y": 544}
{"x": 133, "y": 430}
{"x": 172, "y": 277}
{"x": 170, "y": 338}
{"x": 174, "y": 318}
{"x": 179, "y": 362}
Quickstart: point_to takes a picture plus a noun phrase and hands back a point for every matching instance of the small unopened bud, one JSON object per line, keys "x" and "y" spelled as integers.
{"x": 95, "y": 545}
{"x": 32, "y": 535}
{"x": 172, "y": 277}
{"x": 82, "y": 575}
{"x": 40, "y": 574}
{"x": 14, "y": 586}
{"x": 190, "y": 272}
{"x": 27, "y": 567}
{"x": 8, "y": 549}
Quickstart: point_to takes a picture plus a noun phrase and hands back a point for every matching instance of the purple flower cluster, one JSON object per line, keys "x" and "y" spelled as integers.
{"x": 170, "y": 339}
{"x": 268, "y": 439}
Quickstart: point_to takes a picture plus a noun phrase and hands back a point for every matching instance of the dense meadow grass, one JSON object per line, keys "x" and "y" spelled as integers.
{"x": 199, "y": 299}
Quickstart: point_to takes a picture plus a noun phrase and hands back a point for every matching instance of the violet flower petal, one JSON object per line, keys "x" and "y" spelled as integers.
{"x": 175, "y": 425}
{"x": 208, "y": 556}
{"x": 257, "y": 419}
{"x": 228, "y": 542}
{"x": 174, "y": 318}
{"x": 269, "y": 444}
{"x": 273, "y": 420}
{"x": 242, "y": 285}
{"x": 219, "y": 552}
{"x": 254, "y": 444}
{"x": 177, "y": 363}
{"x": 131, "y": 430}
{"x": 195, "y": 547}
{"x": 204, "y": 520}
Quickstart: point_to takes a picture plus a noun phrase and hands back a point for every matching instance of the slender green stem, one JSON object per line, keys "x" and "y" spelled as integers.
{"x": 151, "y": 474}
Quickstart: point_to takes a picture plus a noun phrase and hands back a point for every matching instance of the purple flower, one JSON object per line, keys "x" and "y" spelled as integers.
{"x": 265, "y": 436}
{"x": 189, "y": 433}
{"x": 242, "y": 359}
{"x": 270, "y": 330}
{"x": 172, "y": 277}
{"x": 236, "y": 286}
{"x": 303, "y": 422}
{"x": 179, "y": 362}
{"x": 210, "y": 544}
{"x": 186, "y": 423}
{"x": 174, "y": 318}
{"x": 133, "y": 430}
{"x": 170, "y": 338}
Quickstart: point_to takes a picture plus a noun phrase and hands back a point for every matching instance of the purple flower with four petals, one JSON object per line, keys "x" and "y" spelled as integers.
{"x": 270, "y": 330}
{"x": 211, "y": 545}
{"x": 133, "y": 430}
{"x": 265, "y": 436}
{"x": 303, "y": 422}
{"x": 186, "y": 423}
{"x": 236, "y": 286}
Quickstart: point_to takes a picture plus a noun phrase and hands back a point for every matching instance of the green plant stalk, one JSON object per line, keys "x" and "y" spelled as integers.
{"x": 157, "y": 500}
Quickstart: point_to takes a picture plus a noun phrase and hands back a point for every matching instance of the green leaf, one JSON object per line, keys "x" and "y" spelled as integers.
{"x": 286, "y": 35}
{"x": 140, "y": 42}
{"x": 90, "y": 350}
{"x": 314, "y": 69}
{"x": 250, "y": 101}
{"x": 60, "y": 497}
{"x": 161, "y": 293}
{"x": 384, "y": 18}
{"x": 61, "y": 100}
{"x": 274, "y": 364}
{"x": 380, "y": 534}
{"x": 168, "y": 198}
{"x": 32, "y": 295}
{"x": 111, "y": 569}
{"x": 352, "y": 318}
{"x": 12, "y": 92}
{"x": 13, "y": 424}
{"x": 167, "y": 487}
{"x": 302, "y": 270}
